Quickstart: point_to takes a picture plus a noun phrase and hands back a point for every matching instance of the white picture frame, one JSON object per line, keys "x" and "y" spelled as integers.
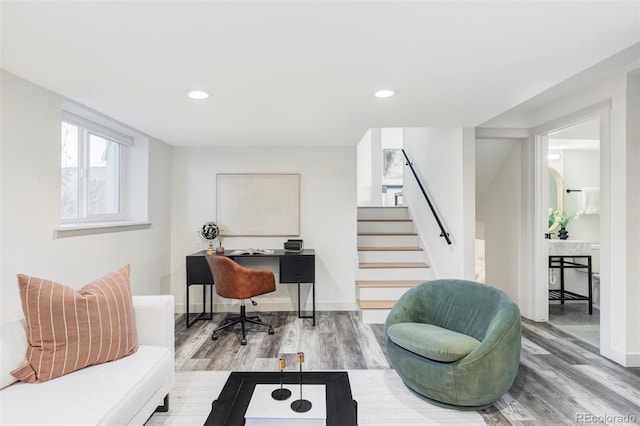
{"x": 249, "y": 205}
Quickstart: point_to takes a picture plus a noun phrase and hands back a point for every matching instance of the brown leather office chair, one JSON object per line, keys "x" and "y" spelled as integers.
{"x": 237, "y": 282}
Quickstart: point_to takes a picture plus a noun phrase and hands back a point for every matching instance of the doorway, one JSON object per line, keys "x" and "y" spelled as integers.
{"x": 574, "y": 228}
{"x": 380, "y": 164}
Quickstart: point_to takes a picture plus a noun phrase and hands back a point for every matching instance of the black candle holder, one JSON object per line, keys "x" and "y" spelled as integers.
{"x": 281, "y": 393}
{"x": 301, "y": 405}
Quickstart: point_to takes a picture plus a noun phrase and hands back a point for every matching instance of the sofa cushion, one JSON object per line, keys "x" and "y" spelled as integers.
{"x": 68, "y": 330}
{"x": 431, "y": 341}
{"x": 111, "y": 393}
{"x": 13, "y": 346}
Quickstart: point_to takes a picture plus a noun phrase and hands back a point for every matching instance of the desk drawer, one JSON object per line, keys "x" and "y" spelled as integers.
{"x": 198, "y": 271}
{"x": 296, "y": 268}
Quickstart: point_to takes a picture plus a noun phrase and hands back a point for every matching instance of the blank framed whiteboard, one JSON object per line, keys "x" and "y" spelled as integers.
{"x": 249, "y": 205}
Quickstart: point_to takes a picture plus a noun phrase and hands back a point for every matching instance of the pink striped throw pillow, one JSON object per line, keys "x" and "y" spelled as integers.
{"x": 68, "y": 330}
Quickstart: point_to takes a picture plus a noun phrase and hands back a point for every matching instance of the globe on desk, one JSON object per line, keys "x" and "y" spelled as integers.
{"x": 210, "y": 231}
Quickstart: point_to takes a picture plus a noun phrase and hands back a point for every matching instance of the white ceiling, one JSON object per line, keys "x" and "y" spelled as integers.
{"x": 289, "y": 73}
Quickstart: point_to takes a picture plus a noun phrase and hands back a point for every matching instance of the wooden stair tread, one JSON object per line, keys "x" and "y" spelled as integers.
{"x": 388, "y": 283}
{"x": 384, "y": 220}
{"x": 382, "y": 207}
{"x": 386, "y": 234}
{"x": 394, "y": 265}
{"x": 390, "y": 249}
{"x": 376, "y": 304}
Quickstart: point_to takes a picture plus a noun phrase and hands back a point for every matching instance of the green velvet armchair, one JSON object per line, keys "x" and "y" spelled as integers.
{"x": 455, "y": 342}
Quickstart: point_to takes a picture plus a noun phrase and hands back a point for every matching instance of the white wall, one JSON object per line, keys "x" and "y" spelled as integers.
{"x": 616, "y": 96}
{"x": 30, "y": 157}
{"x": 444, "y": 159}
{"x": 490, "y": 154}
{"x": 369, "y": 165}
{"x": 364, "y": 174}
{"x": 499, "y": 211}
{"x": 632, "y": 348}
{"x": 391, "y": 137}
{"x": 327, "y": 215}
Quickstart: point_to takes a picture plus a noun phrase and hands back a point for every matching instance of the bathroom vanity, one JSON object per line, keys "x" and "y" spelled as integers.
{"x": 571, "y": 254}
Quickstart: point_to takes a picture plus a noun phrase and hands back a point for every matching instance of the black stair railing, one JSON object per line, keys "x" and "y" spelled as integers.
{"x": 443, "y": 232}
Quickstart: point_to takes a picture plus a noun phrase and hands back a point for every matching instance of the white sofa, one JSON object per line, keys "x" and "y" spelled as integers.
{"x": 122, "y": 392}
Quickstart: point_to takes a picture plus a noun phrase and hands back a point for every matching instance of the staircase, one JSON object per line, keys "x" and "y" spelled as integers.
{"x": 390, "y": 260}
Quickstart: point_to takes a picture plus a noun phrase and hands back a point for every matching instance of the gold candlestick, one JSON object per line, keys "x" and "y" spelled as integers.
{"x": 301, "y": 405}
{"x": 281, "y": 394}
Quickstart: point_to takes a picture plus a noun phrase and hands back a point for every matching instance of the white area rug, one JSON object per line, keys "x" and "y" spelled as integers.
{"x": 382, "y": 400}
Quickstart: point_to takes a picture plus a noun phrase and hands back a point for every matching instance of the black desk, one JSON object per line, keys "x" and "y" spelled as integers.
{"x": 562, "y": 263}
{"x": 229, "y": 408}
{"x": 295, "y": 268}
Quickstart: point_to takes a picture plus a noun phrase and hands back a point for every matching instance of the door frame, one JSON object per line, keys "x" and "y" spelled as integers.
{"x": 538, "y": 176}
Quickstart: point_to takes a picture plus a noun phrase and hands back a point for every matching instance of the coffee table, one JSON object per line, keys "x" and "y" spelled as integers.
{"x": 231, "y": 405}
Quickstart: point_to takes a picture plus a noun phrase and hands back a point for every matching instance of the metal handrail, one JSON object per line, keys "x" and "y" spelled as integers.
{"x": 443, "y": 233}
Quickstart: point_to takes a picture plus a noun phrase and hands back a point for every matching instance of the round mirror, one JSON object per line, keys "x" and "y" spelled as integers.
{"x": 556, "y": 194}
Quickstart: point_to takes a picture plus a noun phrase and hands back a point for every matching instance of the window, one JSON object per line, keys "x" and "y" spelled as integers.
{"x": 92, "y": 164}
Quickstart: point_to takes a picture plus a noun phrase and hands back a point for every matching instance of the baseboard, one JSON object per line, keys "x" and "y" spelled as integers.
{"x": 633, "y": 360}
{"x": 268, "y": 306}
{"x": 337, "y": 306}
{"x": 622, "y": 358}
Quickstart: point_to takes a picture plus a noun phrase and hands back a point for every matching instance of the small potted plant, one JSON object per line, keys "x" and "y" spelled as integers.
{"x": 220, "y": 249}
{"x": 562, "y": 219}
{"x": 553, "y": 214}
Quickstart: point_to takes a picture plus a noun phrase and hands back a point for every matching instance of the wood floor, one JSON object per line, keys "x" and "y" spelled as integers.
{"x": 561, "y": 381}
{"x": 574, "y": 318}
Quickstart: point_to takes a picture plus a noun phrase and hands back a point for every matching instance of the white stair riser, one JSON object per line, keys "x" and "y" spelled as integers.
{"x": 375, "y": 316}
{"x": 381, "y": 293}
{"x": 387, "y": 241}
{"x": 386, "y": 227}
{"x": 406, "y": 256}
{"x": 378, "y": 316}
{"x": 373, "y": 274}
{"x": 383, "y": 213}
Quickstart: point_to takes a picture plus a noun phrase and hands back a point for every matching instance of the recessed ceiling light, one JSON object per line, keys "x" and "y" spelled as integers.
{"x": 385, "y": 93}
{"x": 197, "y": 94}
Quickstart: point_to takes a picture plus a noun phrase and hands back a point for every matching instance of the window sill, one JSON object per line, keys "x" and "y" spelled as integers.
{"x": 75, "y": 230}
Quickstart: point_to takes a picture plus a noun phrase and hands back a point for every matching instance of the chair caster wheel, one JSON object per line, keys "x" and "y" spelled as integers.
{"x": 243, "y": 341}
{"x": 270, "y": 330}
{"x": 214, "y": 337}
